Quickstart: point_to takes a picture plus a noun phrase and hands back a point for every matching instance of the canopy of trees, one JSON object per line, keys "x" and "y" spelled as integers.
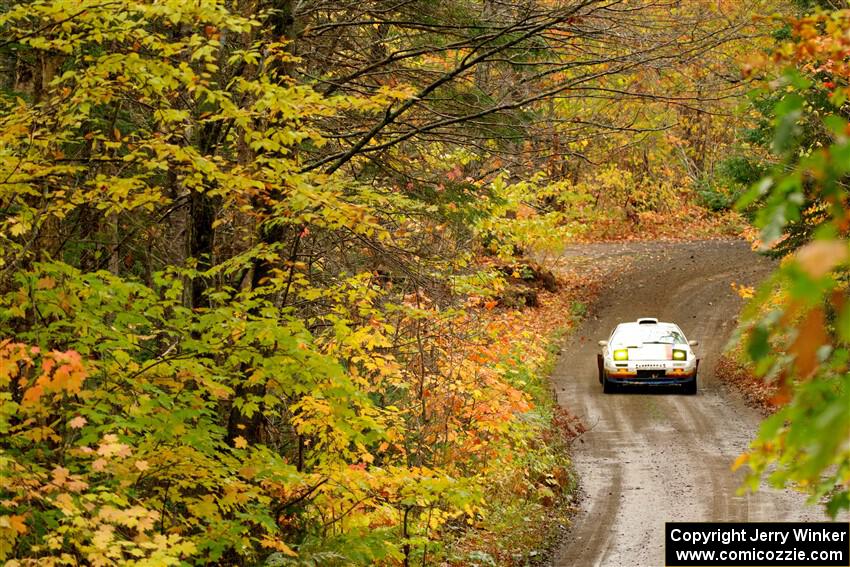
{"x": 249, "y": 252}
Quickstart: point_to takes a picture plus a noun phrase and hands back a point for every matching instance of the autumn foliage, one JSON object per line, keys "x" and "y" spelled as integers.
{"x": 212, "y": 352}
{"x": 263, "y": 265}
{"x": 797, "y": 328}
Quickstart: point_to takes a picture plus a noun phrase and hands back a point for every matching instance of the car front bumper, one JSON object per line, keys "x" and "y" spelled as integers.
{"x": 660, "y": 372}
{"x": 653, "y": 381}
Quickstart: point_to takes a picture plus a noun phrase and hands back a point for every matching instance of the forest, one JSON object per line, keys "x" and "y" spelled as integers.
{"x": 279, "y": 279}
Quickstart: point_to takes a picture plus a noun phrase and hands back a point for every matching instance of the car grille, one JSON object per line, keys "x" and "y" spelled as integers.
{"x": 650, "y": 373}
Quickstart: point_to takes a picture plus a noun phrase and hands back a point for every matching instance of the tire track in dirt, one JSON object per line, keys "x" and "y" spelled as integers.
{"x": 656, "y": 456}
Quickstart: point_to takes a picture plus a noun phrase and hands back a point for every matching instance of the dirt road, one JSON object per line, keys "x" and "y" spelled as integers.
{"x": 652, "y": 457}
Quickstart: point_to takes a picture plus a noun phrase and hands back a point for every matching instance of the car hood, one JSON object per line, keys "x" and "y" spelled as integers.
{"x": 652, "y": 352}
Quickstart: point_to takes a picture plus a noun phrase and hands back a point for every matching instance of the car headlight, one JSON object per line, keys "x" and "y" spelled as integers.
{"x": 680, "y": 354}
{"x": 621, "y": 354}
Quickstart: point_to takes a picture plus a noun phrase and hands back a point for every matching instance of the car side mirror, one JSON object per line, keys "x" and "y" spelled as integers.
{"x": 603, "y": 343}
{"x": 693, "y": 343}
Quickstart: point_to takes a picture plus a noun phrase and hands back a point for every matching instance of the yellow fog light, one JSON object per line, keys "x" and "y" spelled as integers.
{"x": 621, "y": 354}
{"x": 679, "y": 355}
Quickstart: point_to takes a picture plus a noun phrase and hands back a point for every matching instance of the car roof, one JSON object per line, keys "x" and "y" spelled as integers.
{"x": 635, "y": 326}
{"x": 638, "y": 324}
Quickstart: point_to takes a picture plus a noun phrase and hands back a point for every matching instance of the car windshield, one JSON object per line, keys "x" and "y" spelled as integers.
{"x": 636, "y": 335}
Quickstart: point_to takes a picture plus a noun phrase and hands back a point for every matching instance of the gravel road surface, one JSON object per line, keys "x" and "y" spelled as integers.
{"x": 656, "y": 456}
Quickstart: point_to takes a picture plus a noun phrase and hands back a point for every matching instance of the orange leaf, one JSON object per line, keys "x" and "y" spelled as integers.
{"x": 18, "y": 523}
{"x": 743, "y": 458}
{"x": 60, "y": 475}
{"x": 811, "y": 335}
{"x": 818, "y": 258}
{"x": 274, "y": 543}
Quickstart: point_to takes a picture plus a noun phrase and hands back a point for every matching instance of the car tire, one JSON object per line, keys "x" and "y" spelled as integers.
{"x": 690, "y": 388}
{"x": 608, "y": 387}
{"x": 600, "y": 367}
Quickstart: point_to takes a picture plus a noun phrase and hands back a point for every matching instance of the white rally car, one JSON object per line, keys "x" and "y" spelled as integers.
{"x": 648, "y": 352}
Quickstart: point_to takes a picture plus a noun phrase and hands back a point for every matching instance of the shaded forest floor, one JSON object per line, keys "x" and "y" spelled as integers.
{"x": 757, "y": 392}
{"x": 689, "y": 222}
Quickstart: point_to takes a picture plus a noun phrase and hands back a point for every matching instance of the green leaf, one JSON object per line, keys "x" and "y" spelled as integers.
{"x": 788, "y": 111}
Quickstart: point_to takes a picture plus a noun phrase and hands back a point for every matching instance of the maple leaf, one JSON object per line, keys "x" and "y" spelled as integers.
{"x": 240, "y": 442}
{"x": 810, "y": 337}
{"x": 821, "y": 256}
{"x": 276, "y": 544}
{"x": 60, "y": 475}
{"x": 743, "y": 291}
{"x": 78, "y": 422}
{"x": 18, "y": 523}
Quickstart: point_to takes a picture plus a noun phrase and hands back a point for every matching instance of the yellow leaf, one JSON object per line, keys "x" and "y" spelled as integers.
{"x": 743, "y": 458}
{"x": 240, "y": 442}
{"x": 65, "y": 503}
{"x": 60, "y": 475}
{"x": 276, "y": 544}
{"x": 17, "y": 229}
{"x": 744, "y": 291}
{"x": 142, "y": 465}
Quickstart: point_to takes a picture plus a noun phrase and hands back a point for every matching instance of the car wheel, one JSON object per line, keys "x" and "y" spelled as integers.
{"x": 690, "y": 388}
{"x": 608, "y": 387}
{"x": 599, "y": 366}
